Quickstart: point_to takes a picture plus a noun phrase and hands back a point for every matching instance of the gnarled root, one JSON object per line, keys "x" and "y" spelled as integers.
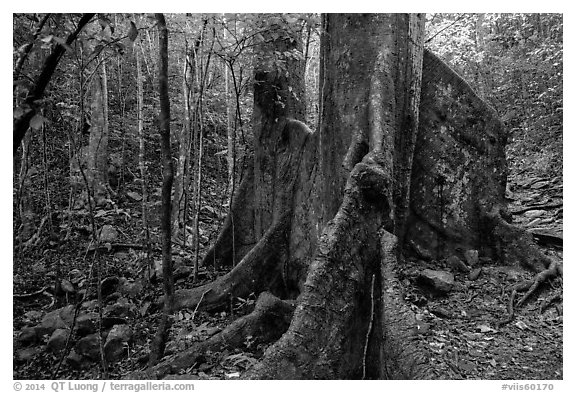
{"x": 259, "y": 270}
{"x": 554, "y": 270}
{"x": 269, "y": 320}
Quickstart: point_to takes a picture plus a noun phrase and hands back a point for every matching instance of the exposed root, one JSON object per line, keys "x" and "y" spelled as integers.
{"x": 510, "y": 308}
{"x": 269, "y": 320}
{"x": 26, "y": 296}
{"x": 554, "y": 270}
{"x": 258, "y": 270}
{"x": 557, "y": 297}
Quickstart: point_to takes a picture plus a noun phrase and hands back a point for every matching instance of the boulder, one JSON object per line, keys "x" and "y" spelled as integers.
{"x": 75, "y": 360}
{"x": 87, "y": 324}
{"x": 67, "y": 314}
{"x": 471, "y": 257}
{"x": 123, "y": 308}
{"x": 27, "y": 335}
{"x": 474, "y": 274}
{"x": 108, "y": 234}
{"x": 115, "y": 346}
{"x": 57, "y": 319}
{"x": 89, "y": 346}
{"x": 456, "y": 264}
{"x": 57, "y": 341}
{"x": 26, "y": 354}
{"x": 441, "y": 281}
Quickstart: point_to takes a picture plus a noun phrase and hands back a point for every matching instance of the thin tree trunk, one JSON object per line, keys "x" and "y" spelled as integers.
{"x": 159, "y": 342}
{"x": 24, "y": 199}
{"x": 47, "y": 201}
{"x": 97, "y": 159}
{"x": 118, "y": 166}
{"x": 167, "y": 167}
{"x": 142, "y": 153}
{"x": 230, "y": 133}
{"x": 198, "y": 195}
{"x": 182, "y": 175}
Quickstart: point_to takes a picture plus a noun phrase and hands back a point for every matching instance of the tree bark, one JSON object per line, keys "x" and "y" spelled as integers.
{"x": 167, "y": 166}
{"x": 158, "y": 344}
{"x": 365, "y": 108}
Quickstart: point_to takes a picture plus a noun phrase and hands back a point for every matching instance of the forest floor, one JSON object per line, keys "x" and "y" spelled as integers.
{"x": 461, "y": 330}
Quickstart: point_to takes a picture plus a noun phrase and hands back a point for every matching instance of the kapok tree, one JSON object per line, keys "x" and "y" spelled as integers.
{"x": 407, "y": 160}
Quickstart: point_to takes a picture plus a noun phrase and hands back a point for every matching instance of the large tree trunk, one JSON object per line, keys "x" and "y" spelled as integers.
{"x": 407, "y": 161}
{"x": 365, "y": 144}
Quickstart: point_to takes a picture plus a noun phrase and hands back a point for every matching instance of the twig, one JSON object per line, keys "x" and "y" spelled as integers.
{"x": 198, "y": 305}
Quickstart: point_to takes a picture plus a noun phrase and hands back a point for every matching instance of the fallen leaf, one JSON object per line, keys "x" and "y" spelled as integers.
{"x": 467, "y": 366}
{"x": 485, "y": 329}
{"x": 521, "y": 325}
